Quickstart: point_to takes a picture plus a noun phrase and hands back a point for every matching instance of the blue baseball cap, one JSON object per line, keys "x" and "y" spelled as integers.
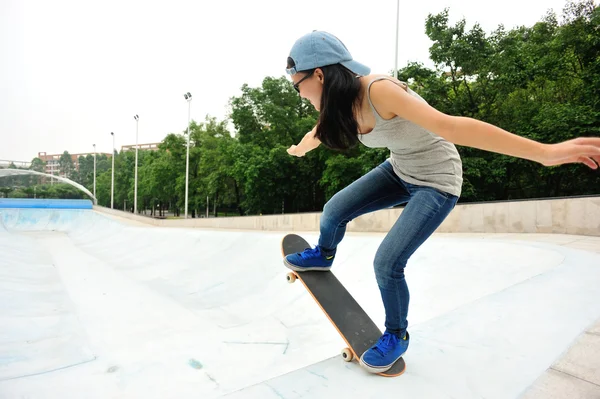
{"x": 319, "y": 49}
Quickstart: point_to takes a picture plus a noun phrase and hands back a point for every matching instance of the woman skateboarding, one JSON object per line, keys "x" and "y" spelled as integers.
{"x": 423, "y": 171}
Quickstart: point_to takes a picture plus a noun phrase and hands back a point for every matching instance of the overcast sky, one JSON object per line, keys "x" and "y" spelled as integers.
{"x": 72, "y": 71}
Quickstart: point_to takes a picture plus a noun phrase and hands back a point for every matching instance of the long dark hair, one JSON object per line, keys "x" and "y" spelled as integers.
{"x": 337, "y": 127}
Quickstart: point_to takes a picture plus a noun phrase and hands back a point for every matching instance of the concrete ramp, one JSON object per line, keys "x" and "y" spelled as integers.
{"x": 39, "y": 329}
{"x": 160, "y": 312}
{"x": 494, "y": 346}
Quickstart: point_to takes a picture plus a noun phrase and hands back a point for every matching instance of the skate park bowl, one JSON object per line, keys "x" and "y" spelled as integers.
{"x": 93, "y": 305}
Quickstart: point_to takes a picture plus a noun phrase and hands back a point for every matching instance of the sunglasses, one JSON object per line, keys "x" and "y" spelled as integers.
{"x": 296, "y": 85}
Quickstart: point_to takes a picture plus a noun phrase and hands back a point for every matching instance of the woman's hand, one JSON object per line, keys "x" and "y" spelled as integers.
{"x": 585, "y": 150}
{"x": 308, "y": 143}
{"x": 293, "y": 150}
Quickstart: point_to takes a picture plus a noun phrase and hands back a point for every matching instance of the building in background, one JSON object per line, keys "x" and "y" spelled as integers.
{"x": 53, "y": 160}
{"x": 146, "y": 147}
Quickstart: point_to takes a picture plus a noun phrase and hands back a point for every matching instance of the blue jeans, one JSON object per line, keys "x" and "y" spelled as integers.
{"x": 381, "y": 188}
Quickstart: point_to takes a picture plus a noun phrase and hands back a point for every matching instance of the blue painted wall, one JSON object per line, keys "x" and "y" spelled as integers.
{"x": 29, "y": 203}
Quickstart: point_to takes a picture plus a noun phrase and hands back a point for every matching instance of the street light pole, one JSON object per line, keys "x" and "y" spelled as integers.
{"x": 94, "y": 170}
{"x": 397, "y": 29}
{"x": 137, "y": 119}
{"x": 112, "y": 182}
{"x": 188, "y": 98}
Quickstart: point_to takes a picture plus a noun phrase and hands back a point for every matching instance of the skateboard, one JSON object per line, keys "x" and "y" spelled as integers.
{"x": 352, "y": 323}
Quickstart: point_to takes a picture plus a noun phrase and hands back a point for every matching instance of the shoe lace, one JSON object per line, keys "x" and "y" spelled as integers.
{"x": 386, "y": 343}
{"x": 311, "y": 253}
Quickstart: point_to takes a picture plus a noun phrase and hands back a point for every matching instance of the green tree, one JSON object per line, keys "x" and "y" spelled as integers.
{"x": 38, "y": 165}
{"x": 66, "y": 164}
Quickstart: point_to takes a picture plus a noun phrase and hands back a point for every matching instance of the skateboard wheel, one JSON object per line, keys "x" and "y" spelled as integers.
{"x": 347, "y": 355}
{"x": 291, "y": 277}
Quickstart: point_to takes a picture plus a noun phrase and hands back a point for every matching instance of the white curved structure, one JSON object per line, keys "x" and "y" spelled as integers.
{"x": 21, "y": 172}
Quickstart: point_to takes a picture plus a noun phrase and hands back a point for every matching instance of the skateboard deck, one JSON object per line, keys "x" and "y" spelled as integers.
{"x": 353, "y": 324}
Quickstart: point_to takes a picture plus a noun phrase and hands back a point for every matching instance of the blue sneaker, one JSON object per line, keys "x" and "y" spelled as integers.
{"x": 382, "y": 356}
{"x": 310, "y": 259}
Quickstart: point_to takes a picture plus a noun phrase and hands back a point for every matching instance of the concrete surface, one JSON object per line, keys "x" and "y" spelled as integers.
{"x": 576, "y": 375}
{"x": 579, "y": 216}
{"x": 92, "y": 307}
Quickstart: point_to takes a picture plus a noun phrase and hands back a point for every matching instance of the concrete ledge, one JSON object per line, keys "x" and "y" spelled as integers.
{"x": 125, "y": 215}
{"x": 556, "y": 385}
{"x": 580, "y": 216}
{"x": 583, "y": 359}
{"x": 576, "y": 375}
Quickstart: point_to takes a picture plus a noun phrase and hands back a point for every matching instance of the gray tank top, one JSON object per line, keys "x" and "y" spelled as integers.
{"x": 418, "y": 156}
